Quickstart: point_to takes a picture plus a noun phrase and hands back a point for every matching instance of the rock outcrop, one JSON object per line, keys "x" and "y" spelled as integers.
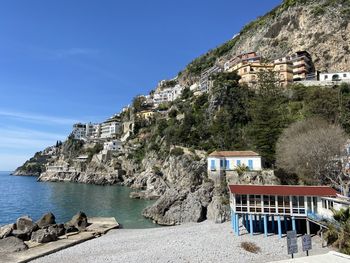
{"x": 46, "y": 220}
{"x": 12, "y": 244}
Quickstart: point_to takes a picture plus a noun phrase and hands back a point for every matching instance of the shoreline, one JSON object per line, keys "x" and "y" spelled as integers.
{"x": 192, "y": 242}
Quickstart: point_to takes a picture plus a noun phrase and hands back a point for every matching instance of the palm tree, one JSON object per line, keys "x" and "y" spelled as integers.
{"x": 338, "y": 233}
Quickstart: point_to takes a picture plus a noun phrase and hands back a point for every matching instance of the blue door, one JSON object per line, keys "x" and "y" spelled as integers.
{"x": 250, "y": 164}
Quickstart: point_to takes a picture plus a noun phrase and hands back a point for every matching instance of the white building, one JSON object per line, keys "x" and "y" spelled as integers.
{"x": 110, "y": 129}
{"x": 336, "y": 76}
{"x": 83, "y": 131}
{"x": 264, "y": 208}
{"x": 79, "y": 131}
{"x": 205, "y": 81}
{"x": 230, "y": 160}
{"x": 167, "y": 94}
{"x": 114, "y": 145}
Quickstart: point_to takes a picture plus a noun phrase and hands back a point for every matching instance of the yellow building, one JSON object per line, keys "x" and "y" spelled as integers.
{"x": 146, "y": 114}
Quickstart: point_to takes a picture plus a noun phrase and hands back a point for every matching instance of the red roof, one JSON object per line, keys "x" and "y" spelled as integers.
{"x": 283, "y": 190}
{"x": 233, "y": 154}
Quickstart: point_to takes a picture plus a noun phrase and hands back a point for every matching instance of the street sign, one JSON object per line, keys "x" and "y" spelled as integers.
{"x": 292, "y": 243}
{"x": 306, "y": 241}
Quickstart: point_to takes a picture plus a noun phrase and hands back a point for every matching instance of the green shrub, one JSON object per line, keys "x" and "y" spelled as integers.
{"x": 177, "y": 151}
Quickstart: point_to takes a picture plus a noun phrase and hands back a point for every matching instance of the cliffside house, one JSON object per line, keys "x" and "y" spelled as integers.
{"x": 223, "y": 162}
{"x": 205, "y": 82}
{"x": 114, "y": 145}
{"x": 248, "y": 57}
{"x": 146, "y": 114}
{"x": 169, "y": 94}
{"x": 280, "y": 208}
{"x": 294, "y": 67}
{"x": 336, "y": 76}
{"x": 302, "y": 65}
{"x": 83, "y": 131}
{"x": 110, "y": 128}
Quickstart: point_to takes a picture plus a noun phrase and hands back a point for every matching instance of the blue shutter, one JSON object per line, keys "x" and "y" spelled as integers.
{"x": 221, "y": 163}
{"x": 250, "y": 164}
{"x": 227, "y": 165}
{"x": 212, "y": 165}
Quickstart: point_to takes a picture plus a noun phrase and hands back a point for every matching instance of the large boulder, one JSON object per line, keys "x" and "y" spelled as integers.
{"x": 58, "y": 230}
{"x": 6, "y": 230}
{"x": 46, "y": 220}
{"x": 218, "y": 210}
{"x": 11, "y": 244}
{"x": 78, "y": 221}
{"x": 44, "y": 236}
{"x": 26, "y": 224}
{"x": 180, "y": 206}
{"x": 24, "y": 228}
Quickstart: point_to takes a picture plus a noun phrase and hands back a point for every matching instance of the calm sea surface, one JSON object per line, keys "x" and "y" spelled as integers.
{"x": 20, "y": 195}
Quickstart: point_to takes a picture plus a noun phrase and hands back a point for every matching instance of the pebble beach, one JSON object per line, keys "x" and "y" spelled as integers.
{"x": 193, "y": 242}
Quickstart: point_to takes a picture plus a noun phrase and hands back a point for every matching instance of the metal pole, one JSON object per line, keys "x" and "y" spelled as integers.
{"x": 251, "y": 225}
{"x": 279, "y": 227}
{"x": 265, "y": 225}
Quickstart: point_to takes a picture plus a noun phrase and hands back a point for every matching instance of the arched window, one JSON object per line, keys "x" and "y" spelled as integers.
{"x": 335, "y": 77}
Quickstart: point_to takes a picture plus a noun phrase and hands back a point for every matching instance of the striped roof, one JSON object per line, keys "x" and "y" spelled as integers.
{"x": 233, "y": 154}
{"x": 283, "y": 190}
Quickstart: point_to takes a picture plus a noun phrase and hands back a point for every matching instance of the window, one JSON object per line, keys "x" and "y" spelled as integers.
{"x": 324, "y": 204}
{"x": 325, "y": 76}
{"x": 238, "y": 162}
{"x": 344, "y": 75}
{"x": 212, "y": 164}
{"x": 227, "y": 164}
{"x": 250, "y": 164}
{"x": 221, "y": 163}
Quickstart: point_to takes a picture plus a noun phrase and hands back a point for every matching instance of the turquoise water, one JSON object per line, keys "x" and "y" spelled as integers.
{"x": 20, "y": 195}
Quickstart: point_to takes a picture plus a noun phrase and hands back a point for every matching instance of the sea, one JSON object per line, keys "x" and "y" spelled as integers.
{"x": 23, "y": 195}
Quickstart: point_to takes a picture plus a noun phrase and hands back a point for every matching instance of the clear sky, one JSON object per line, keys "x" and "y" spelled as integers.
{"x": 63, "y": 61}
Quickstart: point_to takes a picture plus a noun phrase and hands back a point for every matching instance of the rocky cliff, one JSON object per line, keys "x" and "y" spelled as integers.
{"x": 322, "y": 27}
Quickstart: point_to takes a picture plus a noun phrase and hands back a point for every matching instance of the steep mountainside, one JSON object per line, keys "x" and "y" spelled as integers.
{"x": 165, "y": 158}
{"x": 322, "y": 27}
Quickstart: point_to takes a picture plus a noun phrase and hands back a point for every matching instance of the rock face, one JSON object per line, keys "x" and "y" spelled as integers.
{"x": 218, "y": 210}
{"x": 46, "y": 220}
{"x": 11, "y": 244}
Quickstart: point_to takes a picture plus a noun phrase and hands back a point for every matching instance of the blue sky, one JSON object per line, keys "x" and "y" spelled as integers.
{"x": 63, "y": 61}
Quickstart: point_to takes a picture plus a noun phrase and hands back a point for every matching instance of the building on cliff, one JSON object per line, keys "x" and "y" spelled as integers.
{"x": 302, "y": 65}
{"x": 84, "y": 131}
{"x": 162, "y": 95}
{"x": 295, "y": 67}
{"x": 222, "y": 163}
{"x": 205, "y": 82}
{"x": 335, "y": 76}
{"x": 110, "y": 128}
{"x": 280, "y": 208}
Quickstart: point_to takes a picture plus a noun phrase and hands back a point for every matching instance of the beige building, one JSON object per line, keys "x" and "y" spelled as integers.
{"x": 146, "y": 114}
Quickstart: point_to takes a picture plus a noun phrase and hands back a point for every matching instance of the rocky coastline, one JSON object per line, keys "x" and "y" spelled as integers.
{"x": 14, "y": 237}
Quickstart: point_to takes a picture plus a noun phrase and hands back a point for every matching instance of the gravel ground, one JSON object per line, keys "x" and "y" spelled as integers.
{"x": 203, "y": 242}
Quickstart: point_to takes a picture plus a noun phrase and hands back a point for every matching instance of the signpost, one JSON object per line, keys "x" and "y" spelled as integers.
{"x": 307, "y": 245}
{"x": 292, "y": 244}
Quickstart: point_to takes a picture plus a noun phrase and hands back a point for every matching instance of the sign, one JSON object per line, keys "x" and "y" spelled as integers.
{"x": 292, "y": 244}
{"x": 306, "y": 241}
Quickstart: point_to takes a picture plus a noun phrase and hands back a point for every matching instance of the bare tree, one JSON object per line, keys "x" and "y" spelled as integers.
{"x": 315, "y": 151}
